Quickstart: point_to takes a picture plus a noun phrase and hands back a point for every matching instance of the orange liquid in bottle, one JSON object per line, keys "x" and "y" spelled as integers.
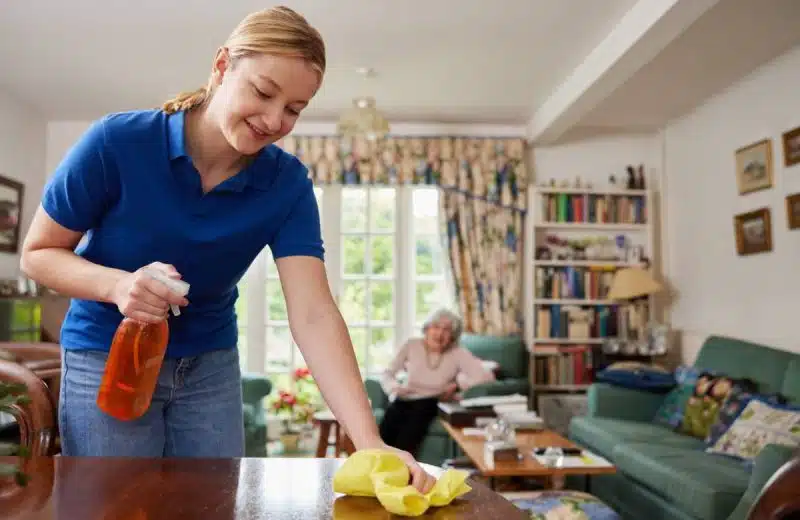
{"x": 134, "y": 362}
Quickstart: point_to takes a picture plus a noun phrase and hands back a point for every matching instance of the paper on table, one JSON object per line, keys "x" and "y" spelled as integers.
{"x": 384, "y": 475}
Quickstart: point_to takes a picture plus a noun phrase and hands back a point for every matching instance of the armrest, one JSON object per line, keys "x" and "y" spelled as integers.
{"x": 255, "y": 387}
{"x": 615, "y": 402}
{"x": 765, "y": 465}
{"x": 377, "y": 397}
{"x": 502, "y": 387}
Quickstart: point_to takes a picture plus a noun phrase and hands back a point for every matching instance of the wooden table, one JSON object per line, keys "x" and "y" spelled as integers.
{"x": 528, "y": 466}
{"x": 214, "y": 489}
{"x": 326, "y": 421}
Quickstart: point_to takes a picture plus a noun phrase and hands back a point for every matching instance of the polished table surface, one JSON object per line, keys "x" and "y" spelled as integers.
{"x": 73, "y": 488}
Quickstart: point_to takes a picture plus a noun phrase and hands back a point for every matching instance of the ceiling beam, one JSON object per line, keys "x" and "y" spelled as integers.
{"x": 642, "y": 33}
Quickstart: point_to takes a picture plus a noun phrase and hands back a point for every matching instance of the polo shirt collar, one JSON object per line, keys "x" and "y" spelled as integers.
{"x": 254, "y": 175}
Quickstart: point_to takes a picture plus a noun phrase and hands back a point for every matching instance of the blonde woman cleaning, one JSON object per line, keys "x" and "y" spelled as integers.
{"x": 434, "y": 369}
{"x": 196, "y": 189}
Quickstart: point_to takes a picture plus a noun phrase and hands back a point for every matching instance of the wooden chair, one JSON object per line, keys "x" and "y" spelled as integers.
{"x": 37, "y": 418}
{"x": 780, "y": 498}
{"x": 43, "y": 359}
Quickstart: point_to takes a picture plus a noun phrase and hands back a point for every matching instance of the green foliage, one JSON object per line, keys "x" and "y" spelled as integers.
{"x": 11, "y": 395}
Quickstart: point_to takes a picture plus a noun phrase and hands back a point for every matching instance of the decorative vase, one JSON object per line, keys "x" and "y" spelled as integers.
{"x": 290, "y": 441}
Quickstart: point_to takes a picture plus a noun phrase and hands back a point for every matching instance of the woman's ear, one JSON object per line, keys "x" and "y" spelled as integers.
{"x": 222, "y": 64}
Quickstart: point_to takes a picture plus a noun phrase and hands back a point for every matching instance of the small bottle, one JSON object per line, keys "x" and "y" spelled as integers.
{"x": 134, "y": 360}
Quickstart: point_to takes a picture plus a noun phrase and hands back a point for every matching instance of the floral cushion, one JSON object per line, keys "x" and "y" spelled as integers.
{"x": 565, "y": 505}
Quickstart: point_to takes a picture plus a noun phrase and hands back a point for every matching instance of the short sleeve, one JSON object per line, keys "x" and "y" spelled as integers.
{"x": 300, "y": 234}
{"x": 79, "y": 192}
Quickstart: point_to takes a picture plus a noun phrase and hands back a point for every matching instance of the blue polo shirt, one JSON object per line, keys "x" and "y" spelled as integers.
{"x": 129, "y": 184}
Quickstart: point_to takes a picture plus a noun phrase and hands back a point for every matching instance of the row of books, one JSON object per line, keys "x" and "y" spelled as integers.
{"x": 596, "y": 209}
{"x": 575, "y": 322}
{"x": 573, "y": 282}
{"x": 570, "y": 365}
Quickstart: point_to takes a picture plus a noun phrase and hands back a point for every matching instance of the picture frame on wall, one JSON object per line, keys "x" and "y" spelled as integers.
{"x": 793, "y": 211}
{"x": 753, "y": 232}
{"x": 754, "y": 167}
{"x": 11, "y": 196}
{"x": 791, "y": 147}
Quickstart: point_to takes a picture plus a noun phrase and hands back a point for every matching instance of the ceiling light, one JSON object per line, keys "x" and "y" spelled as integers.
{"x": 363, "y": 119}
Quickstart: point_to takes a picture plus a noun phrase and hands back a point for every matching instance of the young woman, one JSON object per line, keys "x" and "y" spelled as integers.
{"x": 435, "y": 369}
{"x": 196, "y": 189}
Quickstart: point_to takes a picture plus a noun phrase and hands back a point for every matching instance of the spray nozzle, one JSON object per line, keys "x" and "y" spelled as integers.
{"x": 176, "y": 286}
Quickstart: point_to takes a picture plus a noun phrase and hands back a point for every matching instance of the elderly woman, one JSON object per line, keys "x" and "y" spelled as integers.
{"x": 435, "y": 368}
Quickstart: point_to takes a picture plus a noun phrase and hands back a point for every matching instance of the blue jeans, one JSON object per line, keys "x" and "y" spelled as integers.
{"x": 196, "y": 409}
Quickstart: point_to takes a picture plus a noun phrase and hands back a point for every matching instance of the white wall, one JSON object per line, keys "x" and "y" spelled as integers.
{"x": 751, "y": 297}
{"x": 22, "y": 152}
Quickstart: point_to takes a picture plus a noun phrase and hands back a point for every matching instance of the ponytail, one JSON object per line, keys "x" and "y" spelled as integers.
{"x": 186, "y": 101}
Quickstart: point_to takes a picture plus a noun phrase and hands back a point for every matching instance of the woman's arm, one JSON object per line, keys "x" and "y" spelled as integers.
{"x": 389, "y": 376}
{"x": 472, "y": 370}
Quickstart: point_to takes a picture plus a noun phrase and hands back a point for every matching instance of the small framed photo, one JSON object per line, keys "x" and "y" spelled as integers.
{"x": 791, "y": 147}
{"x": 11, "y": 196}
{"x": 754, "y": 167}
{"x": 753, "y": 232}
{"x": 793, "y": 211}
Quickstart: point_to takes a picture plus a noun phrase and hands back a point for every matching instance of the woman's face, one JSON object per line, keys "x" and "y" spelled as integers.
{"x": 439, "y": 335}
{"x": 258, "y": 100}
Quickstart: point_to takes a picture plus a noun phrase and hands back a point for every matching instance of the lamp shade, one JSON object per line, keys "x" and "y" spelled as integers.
{"x": 363, "y": 120}
{"x": 632, "y": 282}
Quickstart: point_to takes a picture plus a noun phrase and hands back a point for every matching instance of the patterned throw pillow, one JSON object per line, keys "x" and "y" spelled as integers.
{"x": 670, "y": 413}
{"x": 703, "y": 406}
{"x": 565, "y": 505}
{"x": 759, "y": 424}
{"x": 738, "y": 398}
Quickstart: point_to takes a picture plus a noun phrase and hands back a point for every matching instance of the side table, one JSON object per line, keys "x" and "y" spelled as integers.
{"x": 342, "y": 442}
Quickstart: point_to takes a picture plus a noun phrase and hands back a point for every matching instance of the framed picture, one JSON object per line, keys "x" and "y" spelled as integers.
{"x": 791, "y": 147}
{"x": 11, "y": 195}
{"x": 793, "y": 211}
{"x": 754, "y": 167}
{"x": 753, "y": 232}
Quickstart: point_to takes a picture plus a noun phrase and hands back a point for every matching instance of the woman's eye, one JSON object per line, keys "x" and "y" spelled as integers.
{"x": 260, "y": 93}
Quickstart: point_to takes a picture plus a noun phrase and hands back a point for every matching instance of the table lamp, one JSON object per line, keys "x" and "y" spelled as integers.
{"x": 634, "y": 285}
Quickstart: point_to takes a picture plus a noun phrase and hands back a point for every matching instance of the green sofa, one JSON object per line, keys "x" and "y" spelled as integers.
{"x": 255, "y": 387}
{"x": 512, "y": 357}
{"x": 664, "y": 475}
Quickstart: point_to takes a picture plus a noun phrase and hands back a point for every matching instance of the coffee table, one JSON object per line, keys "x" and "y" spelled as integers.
{"x": 473, "y": 446}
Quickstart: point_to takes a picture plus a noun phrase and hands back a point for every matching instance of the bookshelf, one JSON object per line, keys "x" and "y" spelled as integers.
{"x": 576, "y": 239}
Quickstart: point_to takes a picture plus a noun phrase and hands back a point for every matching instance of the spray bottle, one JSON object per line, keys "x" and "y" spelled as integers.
{"x": 135, "y": 359}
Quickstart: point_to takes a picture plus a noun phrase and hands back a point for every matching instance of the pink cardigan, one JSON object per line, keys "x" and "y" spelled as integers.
{"x": 429, "y": 375}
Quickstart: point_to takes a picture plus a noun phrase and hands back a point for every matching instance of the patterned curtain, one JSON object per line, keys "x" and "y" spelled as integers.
{"x": 484, "y": 184}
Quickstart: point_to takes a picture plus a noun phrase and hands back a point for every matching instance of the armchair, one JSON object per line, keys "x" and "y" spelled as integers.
{"x": 255, "y": 387}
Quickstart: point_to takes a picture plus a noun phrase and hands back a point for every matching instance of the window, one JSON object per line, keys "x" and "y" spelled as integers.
{"x": 387, "y": 269}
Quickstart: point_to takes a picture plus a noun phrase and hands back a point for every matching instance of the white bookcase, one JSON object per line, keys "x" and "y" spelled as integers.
{"x": 576, "y": 214}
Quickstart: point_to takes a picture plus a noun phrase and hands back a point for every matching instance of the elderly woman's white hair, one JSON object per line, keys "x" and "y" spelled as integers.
{"x": 456, "y": 325}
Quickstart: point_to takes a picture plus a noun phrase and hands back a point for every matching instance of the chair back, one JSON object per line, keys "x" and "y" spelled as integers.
{"x": 37, "y": 417}
{"x": 780, "y": 498}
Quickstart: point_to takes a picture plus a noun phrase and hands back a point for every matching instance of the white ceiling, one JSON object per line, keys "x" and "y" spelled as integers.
{"x": 436, "y": 60}
{"x": 726, "y": 43}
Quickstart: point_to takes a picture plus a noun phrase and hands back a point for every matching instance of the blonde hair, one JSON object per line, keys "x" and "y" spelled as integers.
{"x": 278, "y": 31}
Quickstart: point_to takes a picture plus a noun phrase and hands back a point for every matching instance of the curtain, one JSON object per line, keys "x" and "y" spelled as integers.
{"x": 484, "y": 184}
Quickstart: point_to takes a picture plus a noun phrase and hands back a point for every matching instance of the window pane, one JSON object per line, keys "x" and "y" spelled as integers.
{"x": 382, "y": 349}
{"x": 241, "y": 305}
{"x": 382, "y": 209}
{"x": 359, "y": 337}
{"x": 428, "y": 255}
{"x": 354, "y": 209}
{"x": 276, "y": 303}
{"x": 299, "y": 360}
{"x": 272, "y": 269}
{"x": 354, "y": 302}
{"x": 426, "y": 211}
{"x": 382, "y": 255}
{"x": 279, "y": 349}
{"x": 280, "y": 381}
{"x": 430, "y": 296}
{"x": 354, "y": 253}
{"x": 382, "y": 304}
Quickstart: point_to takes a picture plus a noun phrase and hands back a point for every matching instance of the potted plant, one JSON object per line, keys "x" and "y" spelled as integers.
{"x": 295, "y": 408}
{"x": 12, "y": 395}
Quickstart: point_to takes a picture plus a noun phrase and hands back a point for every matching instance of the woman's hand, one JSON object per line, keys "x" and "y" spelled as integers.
{"x": 420, "y": 479}
{"x": 141, "y": 297}
{"x": 449, "y": 393}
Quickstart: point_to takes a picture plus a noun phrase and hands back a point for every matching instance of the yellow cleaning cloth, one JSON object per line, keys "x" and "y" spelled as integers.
{"x": 383, "y": 475}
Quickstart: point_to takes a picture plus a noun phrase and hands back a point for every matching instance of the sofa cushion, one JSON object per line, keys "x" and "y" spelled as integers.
{"x": 603, "y": 435}
{"x": 707, "y": 486}
{"x": 791, "y": 384}
{"x": 508, "y": 351}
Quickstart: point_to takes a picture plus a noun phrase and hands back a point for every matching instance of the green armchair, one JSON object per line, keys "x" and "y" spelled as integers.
{"x": 255, "y": 387}
{"x": 512, "y": 357}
